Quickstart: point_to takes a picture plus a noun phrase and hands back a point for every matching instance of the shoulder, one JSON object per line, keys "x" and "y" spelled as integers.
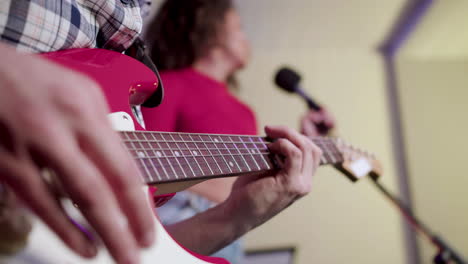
{"x": 179, "y": 81}
{"x": 175, "y": 75}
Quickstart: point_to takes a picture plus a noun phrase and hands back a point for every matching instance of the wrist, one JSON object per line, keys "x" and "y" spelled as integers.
{"x": 229, "y": 216}
{"x": 238, "y": 215}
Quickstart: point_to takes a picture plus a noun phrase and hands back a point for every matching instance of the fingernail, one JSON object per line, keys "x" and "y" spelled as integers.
{"x": 147, "y": 239}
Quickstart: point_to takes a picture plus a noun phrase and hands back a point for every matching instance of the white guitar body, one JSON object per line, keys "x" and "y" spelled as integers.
{"x": 44, "y": 247}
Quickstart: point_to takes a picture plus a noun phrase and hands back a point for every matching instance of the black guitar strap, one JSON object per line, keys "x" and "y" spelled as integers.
{"x": 138, "y": 52}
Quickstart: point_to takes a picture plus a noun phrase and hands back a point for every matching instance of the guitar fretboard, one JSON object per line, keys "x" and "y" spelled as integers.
{"x": 167, "y": 157}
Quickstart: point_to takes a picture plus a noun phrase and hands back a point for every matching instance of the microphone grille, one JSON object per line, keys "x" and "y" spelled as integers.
{"x": 287, "y": 79}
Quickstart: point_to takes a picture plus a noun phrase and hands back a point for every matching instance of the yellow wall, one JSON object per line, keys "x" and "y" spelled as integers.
{"x": 339, "y": 222}
{"x": 434, "y": 97}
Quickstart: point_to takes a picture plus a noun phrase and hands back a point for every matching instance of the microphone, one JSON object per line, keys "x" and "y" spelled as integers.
{"x": 288, "y": 80}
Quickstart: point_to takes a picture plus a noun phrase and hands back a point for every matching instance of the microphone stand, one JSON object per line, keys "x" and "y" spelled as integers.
{"x": 446, "y": 254}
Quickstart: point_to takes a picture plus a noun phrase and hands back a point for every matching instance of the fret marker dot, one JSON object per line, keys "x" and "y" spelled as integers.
{"x": 195, "y": 153}
{"x": 177, "y": 153}
{"x": 231, "y": 164}
{"x": 141, "y": 154}
{"x": 159, "y": 154}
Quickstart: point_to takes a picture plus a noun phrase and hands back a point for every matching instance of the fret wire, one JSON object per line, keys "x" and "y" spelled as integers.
{"x": 323, "y": 158}
{"x": 167, "y": 159}
{"x": 206, "y": 157}
{"x": 221, "y": 135}
{"x": 241, "y": 136}
{"x": 251, "y": 156}
{"x": 331, "y": 153}
{"x": 329, "y": 156}
{"x": 326, "y": 152}
{"x": 245, "y": 161}
{"x": 159, "y": 160}
{"x": 215, "y": 155}
{"x": 203, "y": 159}
{"x": 214, "y": 143}
{"x": 235, "y": 161}
{"x": 142, "y": 159}
{"x": 333, "y": 148}
{"x": 188, "y": 149}
{"x": 327, "y": 143}
{"x": 186, "y": 160}
{"x": 145, "y": 167}
{"x": 154, "y": 168}
{"x": 181, "y": 141}
{"x": 211, "y": 153}
{"x": 258, "y": 150}
{"x": 142, "y": 170}
{"x": 336, "y": 151}
{"x": 177, "y": 160}
{"x": 244, "y": 154}
{"x": 187, "y": 141}
{"x": 142, "y": 163}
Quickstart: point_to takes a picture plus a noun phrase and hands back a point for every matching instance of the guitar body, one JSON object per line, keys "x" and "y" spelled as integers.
{"x": 125, "y": 82}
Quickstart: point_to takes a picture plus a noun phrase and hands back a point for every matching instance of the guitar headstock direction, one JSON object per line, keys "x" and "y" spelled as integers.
{"x": 357, "y": 163}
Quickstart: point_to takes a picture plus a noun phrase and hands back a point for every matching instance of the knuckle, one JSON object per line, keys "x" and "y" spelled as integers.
{"x": 308, "y": 145}
{"x": 31, "y": 115}
{"x": 42, "y": 123}
{"x": 85, "y": 195}
{"x": 300, "y": 189}
{"x": 282, "y": 143}
{"x": 295, "y": 153}
{"x": 290, "y": 133}
{"x": 317, "y": 151}
{"x": 122, "y": 182}
{"x": 73, "y": 103}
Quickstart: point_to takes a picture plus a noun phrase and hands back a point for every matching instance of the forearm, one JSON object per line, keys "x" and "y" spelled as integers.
{"x": 216, "y": 190}
{"x": 211, "y": 230}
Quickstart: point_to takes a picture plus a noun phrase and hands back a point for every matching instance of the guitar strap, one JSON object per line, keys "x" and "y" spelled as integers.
{"x": 138, "y": 52}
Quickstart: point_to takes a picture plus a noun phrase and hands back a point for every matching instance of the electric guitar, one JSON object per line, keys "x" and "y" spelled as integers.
{"x": 169, "y": 162}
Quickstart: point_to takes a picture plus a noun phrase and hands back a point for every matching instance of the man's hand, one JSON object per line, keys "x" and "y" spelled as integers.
{"x": 313, "y": 121}
{"x": 53, "y": 118}
{"x": 254, "y": 200}
{"x": 259, "y": 199}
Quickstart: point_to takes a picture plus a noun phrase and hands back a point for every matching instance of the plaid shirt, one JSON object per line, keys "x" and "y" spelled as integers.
{"x": 49, "y": 25}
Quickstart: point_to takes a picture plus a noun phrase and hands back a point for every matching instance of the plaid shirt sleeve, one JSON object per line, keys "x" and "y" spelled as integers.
{"x": 49, "y": 25}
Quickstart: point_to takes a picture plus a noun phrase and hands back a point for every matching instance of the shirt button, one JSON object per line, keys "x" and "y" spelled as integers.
{"x": 125, "y": 2}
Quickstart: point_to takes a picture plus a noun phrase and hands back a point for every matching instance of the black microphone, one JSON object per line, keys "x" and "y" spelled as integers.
{"x": 288, "y": 80}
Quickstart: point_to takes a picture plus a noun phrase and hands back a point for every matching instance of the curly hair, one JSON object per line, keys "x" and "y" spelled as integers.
{"x": 185, "y": 30}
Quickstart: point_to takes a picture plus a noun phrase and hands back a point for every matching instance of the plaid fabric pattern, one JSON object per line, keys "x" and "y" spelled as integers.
{"x": 49, "y": 25}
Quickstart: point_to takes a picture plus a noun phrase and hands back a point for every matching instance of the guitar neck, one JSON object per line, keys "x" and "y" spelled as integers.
{"x": 165, "y": 157}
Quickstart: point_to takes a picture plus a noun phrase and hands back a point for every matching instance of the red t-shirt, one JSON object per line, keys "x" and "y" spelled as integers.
{"x": 194, "y": 102}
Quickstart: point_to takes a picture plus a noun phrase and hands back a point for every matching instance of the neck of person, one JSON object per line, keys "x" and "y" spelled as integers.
{"x": 218, "y": 69}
